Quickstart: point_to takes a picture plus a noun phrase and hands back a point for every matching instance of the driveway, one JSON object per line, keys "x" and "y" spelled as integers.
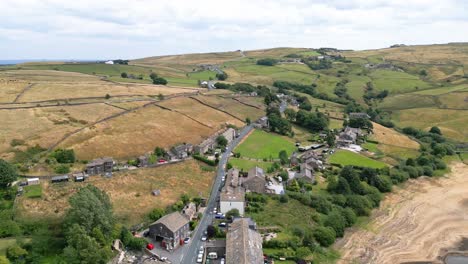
{"x": 190, "y": 252}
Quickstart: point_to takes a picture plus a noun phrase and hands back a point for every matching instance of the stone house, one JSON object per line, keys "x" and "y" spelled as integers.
{"x": 181, "y": 151}
{"x": 243, "y": 245}
{"x": 170, "y": 229}
{"x": 233, "y": 194}
{"x": 255, "y": 181}
{"x": 100, "y": 166}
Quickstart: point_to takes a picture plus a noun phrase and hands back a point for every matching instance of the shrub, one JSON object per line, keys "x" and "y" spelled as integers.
{"x": 64, "y": 155}
{"x": 428, "y": 171}
{"x": 325, "y": 236}
{"x": 205, "y": 160}
{"x": 267, "y": 62}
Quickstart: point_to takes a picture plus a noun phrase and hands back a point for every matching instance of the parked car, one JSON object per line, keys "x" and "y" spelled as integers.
{"x": 222, "y": 261}
{"x": 200, "y": 258}
{"x": 219, "y": 216}
{"x": 162, "y": 161}
{"x": 203, "y": 238}
{"x": 223, "y": 224}
{"x": 187, "y": 240}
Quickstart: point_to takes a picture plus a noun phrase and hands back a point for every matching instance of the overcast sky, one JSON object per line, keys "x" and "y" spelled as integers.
{"x": 109, "y": 29}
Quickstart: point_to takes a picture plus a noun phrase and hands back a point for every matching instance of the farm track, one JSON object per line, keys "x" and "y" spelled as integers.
{"x": 226, "y": 112}
{"x": 23, "y": 91}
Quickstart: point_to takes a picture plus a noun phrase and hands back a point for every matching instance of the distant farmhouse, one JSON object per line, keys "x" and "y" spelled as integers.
{"x": 209, "y": 144}
{"x": 181, "y": 151}
{"x": 348, "y": 136}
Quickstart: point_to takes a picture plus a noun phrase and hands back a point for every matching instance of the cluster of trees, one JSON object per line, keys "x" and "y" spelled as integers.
{"x": 119, "y": 61}
{"x": 63, "y": 157}
{"x": 341, "y": 90}
{"x": 277, "y": 123}
{"x": 261, "y": 90}
{"x": 131, "y": 76}
{"x": 370, "y": 94}
{"x": 304, "y": 103}
{"x": 284, "y": 86}
{"x": 221, "y": 76}
{"x": 157, "y": 80}
{"x": 267, "y": 62}
{"x": 314, "y": 121}
{"x": 360, "y": 123}
{"x": 319, "y": 64}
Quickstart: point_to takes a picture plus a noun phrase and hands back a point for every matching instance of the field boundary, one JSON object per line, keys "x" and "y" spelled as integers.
{"x": 226, "y": 112}
{"x": 184, "y": 114}
{"x": 23, "y": 91}
{"x": 237, "y": 100}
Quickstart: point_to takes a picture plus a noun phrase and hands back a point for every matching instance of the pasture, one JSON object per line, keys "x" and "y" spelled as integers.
{"x": 262, "y": 145}
{"x": 345, "y": 157}
{"x": 235, "y": 108}
{"x": 396, "y": 82}
{"x": 130, "y": 191}
{"x": 453, "y": 123}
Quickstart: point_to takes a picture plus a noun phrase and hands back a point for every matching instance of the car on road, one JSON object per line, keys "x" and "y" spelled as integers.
{"x": 187, "y": 240}
{"x": 203, "y": 238}
{"x": 215, "y": 210}
{"x": 219, "y": 216}
{"x": 222, "y": 261}
{"x": 200, "y": 258}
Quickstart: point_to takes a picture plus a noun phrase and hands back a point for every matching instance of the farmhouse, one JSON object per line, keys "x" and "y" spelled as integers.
{"x": 171, "y": 229}
{"x": 181, "y": 151}
{"x": 109, "y": 62}
{"x": 210, "y": 143}
{"x": 312, "y": 159}
{"x": 262, "y": 123}
{"x": 243, "y": 245}
{"x": 255, "y": 181}
{"x": 348, "y": 136}
{"x": 143, "y": 161}
{"x": 33, "y": 181}
{"x": 190, "y": 211}
{"x": 233, "y": 194}
{"x": 306, "y": 173}
{"x": 100, "y": 166}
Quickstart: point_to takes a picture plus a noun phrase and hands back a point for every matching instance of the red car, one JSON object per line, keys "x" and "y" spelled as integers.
{"x": 150, "y": 246}
{"x": 162, "y": 161}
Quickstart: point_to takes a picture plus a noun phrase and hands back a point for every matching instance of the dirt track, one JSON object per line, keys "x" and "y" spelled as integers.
{"x": 415, "y": 223}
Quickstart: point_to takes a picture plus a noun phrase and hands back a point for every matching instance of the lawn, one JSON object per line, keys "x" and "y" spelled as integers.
{"x": 246, "y": 165}
{"x": 33, "y": 191}
{"x": 263, "y": 145}
{"x": 345, "y": 157}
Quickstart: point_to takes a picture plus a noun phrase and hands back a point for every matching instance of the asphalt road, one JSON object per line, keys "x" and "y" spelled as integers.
{"x": 190, "y": 253}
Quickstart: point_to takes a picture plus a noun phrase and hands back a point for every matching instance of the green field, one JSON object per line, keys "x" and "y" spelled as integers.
{"x": 396, "y": 82}
{"x": 246, "y": 165}
{"x": 263, "y": 145}
{"x": 345, "y": 157}
{"x": 33, "y": 191}
{"x": 443, "y": 90}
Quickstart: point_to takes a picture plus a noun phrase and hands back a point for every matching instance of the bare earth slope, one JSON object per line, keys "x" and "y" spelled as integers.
{"x": 413, "y": 223}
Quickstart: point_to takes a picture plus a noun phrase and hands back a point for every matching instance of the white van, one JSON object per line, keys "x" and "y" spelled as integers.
{"x": 212, "y": 255}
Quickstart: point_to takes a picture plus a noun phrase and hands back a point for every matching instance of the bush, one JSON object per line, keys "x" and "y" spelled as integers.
{"x": 267, "y": 62}
{"x": 124, "y": 75}
{"x": 62, "y": 169}
{"x": 325, "y": 236}
{"x": 156, "y": 214}
{"x": 15, "y": 253}
{"x": 134, "y": 243}
{"x": 428, "y": 171}
{"x": 159, "y": 80}
{"x": 284, "y": 198}
{"x": 205, "y": 160}
{"x": 64, "y": 155}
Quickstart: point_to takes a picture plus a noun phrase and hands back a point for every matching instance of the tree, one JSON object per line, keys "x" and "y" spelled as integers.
{"x": 221, "y": 141}
{"x": 160, "y": 96}
{"x": 283, "y": 156}
{"x": 160, "y": 152}
{"x": 330, "y": 139}
{"x": 108, "y": 96}
{"x": 248, "y": 121}
{"x": 353, "y": 179}
{"x": 90, "y": 208}
{"x": 185, "y": 198}
{"x": 124, "y": 75}
{"x": 325, "y": 236}
{"x": 423, "y": 72}
{"x": 64, "y": 155}
{"x": 267, "y": 62}
{"x": 290, "y": 114}
{"x": 435, "y": 130}
{"x": 82, "y": 248}
{"x": 8, "y": 173}
{"x": 159, "y": 80}
{"x": 156, "y": 214}
{"x": 336, "y": 221}
{"x": 211, "y": 231}
{"x": 221, "y": 76}
{"x": 153, "y": 76}
{"x": 231, "y": 214}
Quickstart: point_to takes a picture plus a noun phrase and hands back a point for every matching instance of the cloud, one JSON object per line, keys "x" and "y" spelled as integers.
{"x": 88, "y": 29}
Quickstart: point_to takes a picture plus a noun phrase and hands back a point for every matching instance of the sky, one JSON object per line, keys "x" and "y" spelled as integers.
{"x": 111, "y": 29}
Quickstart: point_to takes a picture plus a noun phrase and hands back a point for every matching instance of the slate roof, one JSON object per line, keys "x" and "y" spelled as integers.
{"x": 243, "y": 245}
{"x": 173, "y": 221}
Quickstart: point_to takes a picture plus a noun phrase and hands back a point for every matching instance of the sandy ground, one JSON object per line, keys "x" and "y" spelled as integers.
{"x": 415, "y": 223}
